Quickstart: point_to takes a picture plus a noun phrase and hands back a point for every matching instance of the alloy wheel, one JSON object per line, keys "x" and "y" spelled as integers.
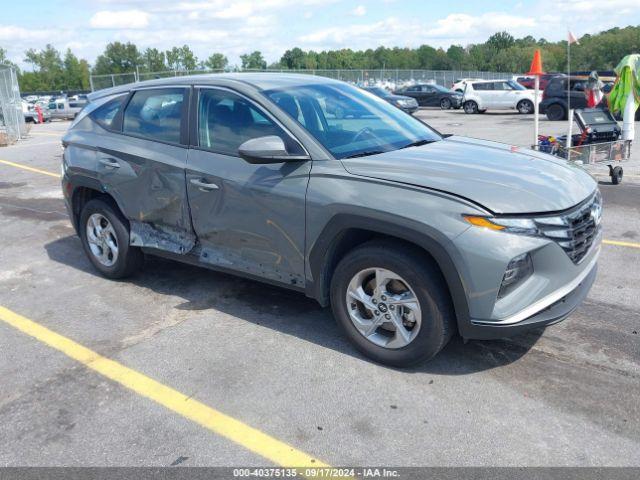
{"x": 383, "y": 307}
{"x": 102, "y": 239}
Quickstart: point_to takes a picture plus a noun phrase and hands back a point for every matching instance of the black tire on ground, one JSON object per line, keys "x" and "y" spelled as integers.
{"x": 555, "y": 112}
{"x": 470, "y": 107}
{"x": 616, "y": 175}
{"x": 130, "y": 259}
{"x": 424, "y": 277}
{"x": 525, "y": 106}
{"x": 445, "y": 104}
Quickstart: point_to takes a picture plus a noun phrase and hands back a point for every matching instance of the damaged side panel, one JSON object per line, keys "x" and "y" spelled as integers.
{"x": 149, "y": 184}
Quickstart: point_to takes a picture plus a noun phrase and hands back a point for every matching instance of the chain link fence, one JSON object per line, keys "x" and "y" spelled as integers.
{"x": 12, "y": 124}
{"x": 396, "y": 77}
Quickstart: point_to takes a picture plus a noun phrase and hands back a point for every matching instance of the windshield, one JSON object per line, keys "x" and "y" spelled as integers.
{"x": 515, "y": 85}
{"x": 350, "y": 122}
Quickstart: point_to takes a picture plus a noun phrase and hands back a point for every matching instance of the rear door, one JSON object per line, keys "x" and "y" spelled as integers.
{"x": 142, "y": 167}
{"x": 248, "y": 218}
{"x": 430, "y": 96}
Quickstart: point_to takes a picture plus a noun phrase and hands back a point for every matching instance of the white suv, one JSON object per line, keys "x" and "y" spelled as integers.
{"x": 497, "y": 94}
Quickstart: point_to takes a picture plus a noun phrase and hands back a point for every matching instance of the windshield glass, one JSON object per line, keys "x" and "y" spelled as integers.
{"x": 515, "y": 85}
{"x": 350, "y": 122}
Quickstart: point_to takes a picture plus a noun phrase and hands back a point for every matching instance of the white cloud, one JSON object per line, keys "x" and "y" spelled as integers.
{"x": 359, "y": 11}
{"x": 116, "y": 19}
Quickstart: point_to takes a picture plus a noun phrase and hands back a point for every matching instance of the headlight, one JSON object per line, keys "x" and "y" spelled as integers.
{"x": 512, "y": 225}
{"x": 404, "y": 103}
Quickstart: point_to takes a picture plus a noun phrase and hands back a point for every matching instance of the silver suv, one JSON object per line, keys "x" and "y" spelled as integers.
{"x": 411, "y": 236}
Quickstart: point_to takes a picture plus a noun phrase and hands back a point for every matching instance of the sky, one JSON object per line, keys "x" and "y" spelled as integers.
{"x": 234, "y": 27}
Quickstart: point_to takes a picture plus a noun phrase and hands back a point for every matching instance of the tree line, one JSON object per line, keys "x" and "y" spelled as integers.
{"x": 52, "y": 70}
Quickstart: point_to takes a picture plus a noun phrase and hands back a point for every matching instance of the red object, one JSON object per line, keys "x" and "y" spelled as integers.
{"x": 536, "y": 64}
{"x": 39, "y": 112}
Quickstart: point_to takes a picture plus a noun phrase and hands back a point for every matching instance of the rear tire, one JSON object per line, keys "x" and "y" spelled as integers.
{"x": 525, "y": 107}
{"x": 427, "y": 304}
{"x": 556, "y": 112}
{"x": 104, "y": 233}
{"x": 470, "y": 107}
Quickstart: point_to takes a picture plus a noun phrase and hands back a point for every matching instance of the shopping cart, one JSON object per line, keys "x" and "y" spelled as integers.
{"x": 599, "y": 142}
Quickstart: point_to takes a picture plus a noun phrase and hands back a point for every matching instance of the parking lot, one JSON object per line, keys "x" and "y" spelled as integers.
{"x": 213, "y": 370}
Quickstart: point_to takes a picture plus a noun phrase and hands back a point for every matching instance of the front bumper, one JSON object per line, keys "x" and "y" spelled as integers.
{"x": 546, "y": 313}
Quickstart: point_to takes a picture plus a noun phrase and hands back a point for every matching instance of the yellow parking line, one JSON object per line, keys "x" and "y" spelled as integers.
{"x": 31, "y": 169}
{"x": 248, "y": 437}
{"x": 622, "y": 244}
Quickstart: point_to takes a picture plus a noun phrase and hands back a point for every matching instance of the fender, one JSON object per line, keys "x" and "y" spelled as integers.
{"x": 429, "y": 239}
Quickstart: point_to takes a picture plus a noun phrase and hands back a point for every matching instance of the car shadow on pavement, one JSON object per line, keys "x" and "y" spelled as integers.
{"x": 285, "y": 311}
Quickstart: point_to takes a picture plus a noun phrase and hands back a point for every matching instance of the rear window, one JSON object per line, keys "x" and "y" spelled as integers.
{"x": 105, "y": 114}
{"x": 483, "y": 86}
{"x": 155, "y": 114}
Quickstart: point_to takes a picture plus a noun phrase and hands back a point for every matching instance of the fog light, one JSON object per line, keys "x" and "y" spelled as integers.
{"x": 518, "y": 270}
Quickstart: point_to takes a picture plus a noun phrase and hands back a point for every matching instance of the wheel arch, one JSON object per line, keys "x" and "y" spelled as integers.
{"x": 83, "y": 190}
{"x": 345, "y": 232}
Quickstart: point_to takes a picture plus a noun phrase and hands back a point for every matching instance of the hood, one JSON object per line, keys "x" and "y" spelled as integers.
{"x": 397, "y": 97}
{"x": 502, "y": 178}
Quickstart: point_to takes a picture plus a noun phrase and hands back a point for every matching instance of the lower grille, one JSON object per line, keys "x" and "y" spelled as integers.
{"x": 575, "y": 230}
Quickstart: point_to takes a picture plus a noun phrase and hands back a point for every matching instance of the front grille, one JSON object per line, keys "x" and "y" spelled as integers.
{"x": 575, "y": 230}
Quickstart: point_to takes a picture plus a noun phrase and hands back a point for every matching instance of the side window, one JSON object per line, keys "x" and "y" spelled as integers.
{"x": 155, "y": 114}
{"x": 105, "y": 114}
{"x": 227, "y": 120}
{"x": 413, "y": 88}
{"x": 480, "y": 86}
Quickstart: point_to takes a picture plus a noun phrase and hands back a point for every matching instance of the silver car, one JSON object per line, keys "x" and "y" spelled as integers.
{"x": 409, "y": 235}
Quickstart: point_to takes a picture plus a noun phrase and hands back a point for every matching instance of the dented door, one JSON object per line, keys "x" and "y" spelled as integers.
{"x": 146, "y": 175}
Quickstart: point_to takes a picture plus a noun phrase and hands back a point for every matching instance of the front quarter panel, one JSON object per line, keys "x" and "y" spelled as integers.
{"x": 338, "y": 200}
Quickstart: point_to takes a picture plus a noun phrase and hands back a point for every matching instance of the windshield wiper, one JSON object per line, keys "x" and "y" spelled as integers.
{"x": 365, "y": 154}
{"x": 418, "y": 143}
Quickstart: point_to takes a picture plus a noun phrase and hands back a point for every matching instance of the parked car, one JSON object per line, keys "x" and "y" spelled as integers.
{"x": 432, "y": 95}
{"x": 31, "y": 114}
{"x": 460, "y": 83}
{"x": 64, "y": 108}
{"x": 497, "y": 95}
{"x": 530, "y": 82}
{"x": 409, "y": 235}
{"x": 404, "y": 103}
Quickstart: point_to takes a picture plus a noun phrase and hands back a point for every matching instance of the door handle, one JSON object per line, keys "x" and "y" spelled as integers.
{"x": 109, "y": 162}
{"x": 202, "y": 185}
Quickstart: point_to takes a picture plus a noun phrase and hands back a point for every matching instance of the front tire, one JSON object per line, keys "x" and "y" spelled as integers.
{"x": 392, "y": 303}
{"x": 104, "y": 233}
{"x": 470, "y": 107}
{"x": 445, "y": 104}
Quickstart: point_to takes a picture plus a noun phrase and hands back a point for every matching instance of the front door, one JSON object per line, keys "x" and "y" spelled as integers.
{"x": 248, "y": 218}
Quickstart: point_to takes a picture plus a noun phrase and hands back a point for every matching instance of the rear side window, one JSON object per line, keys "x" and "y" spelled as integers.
{"x": 482, "y": 86}
{"x": 105, "y": 114}
{"x": 155, "y": 114}
{"x": 227, "y": 120}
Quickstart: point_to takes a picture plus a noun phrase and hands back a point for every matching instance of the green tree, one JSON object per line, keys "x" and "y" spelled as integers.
{"x": 253, "y": 60}
{"x": 118, "y": 58}
{"x": 501, "y": 41}
{"x": 457, "y": 57}
{"x": 216, "y": 61}
{"x": 294, "y": 59}
{"x": 48, "y": 68}
{"x": 76, "y": 72}
{"x": 153, "y": 60}
{"x": 181, "y": 58}
{"x": 5, "y": 61}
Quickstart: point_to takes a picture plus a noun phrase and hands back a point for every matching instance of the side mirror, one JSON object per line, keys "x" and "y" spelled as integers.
{"x": 269, "y": 149}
